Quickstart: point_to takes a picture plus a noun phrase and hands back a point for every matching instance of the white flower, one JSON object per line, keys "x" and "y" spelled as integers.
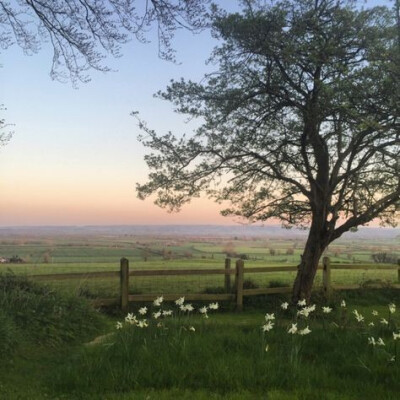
{"x": 131, "y": 319}
{"x": 306, "y": 311}
{"x": 119, "y": 326}
{"x": 285, "y": 305}
{"x": 157, "y": 314}
{"x": 268, "y": 326}
{"x": 180, "y": 301}
{"x": 380, "y": 342}
{"x": 186, "y": 307}
{"x": 143, "y": 310}
{"x": 326, "y": 310}
{"x": 392, "y": 359}
{"x": 384, "y": 321}
{"x": 213, "y": 306}
{"x": 160, "y": 325}
{"x": 396, "y": 335}
{"x": 371, "y": 340}
{"x": 142, "y": 323}
{"x": 304, "y": 331}
{"x": 267, "y": 347}
{"x": 371, "y": 324}
{"x": 157, "y": 302}
{"x": 269, "y": 317}
{"x": 192, "y": 329}
{"x": 375, "y": 313}
{"x": 358, "y": 316}
{"x": 167, "y": 313}
{"x": 343, "y": 304}
{"x": 293, "y": 329}
{"x": 203, "y": 310}
{"x": 392, "y": 308}
{"x": 302, "y": 303}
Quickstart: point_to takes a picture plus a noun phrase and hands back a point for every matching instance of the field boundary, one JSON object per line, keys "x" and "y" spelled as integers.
{"x": 233, "y": 291}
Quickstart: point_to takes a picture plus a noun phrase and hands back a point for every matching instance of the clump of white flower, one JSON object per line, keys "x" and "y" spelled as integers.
{"x": 167, "y": 313}
{"x": 157, "y": 302}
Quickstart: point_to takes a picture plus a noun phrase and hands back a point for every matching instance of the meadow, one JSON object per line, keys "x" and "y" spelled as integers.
{"x": 53, "y": 344}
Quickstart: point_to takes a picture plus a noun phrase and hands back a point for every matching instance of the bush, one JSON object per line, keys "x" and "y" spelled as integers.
{"x": 44, "y": 315}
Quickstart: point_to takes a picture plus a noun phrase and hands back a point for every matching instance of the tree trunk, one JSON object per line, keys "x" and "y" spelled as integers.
{"x": 308, "y": 266}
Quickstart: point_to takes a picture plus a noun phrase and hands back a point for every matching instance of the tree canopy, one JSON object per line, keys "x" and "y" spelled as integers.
{"x": 300, "y": 122}
{"x": 83, "y": 32}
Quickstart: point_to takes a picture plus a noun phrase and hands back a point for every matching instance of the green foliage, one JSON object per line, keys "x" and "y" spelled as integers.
{"x": 8, "y": 335}
{"x": 43, "y": 316}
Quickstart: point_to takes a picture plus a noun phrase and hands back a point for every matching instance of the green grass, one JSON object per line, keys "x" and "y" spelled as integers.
{"x": 224, "y": 358}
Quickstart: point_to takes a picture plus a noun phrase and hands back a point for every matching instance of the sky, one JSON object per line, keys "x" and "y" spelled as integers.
{"x": 74, "y": 158}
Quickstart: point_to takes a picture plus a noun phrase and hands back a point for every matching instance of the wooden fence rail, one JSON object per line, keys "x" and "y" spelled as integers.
{"x": 234, "y": 292}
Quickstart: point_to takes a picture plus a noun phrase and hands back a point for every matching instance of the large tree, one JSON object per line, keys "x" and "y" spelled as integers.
{"x": 300, "y": 122}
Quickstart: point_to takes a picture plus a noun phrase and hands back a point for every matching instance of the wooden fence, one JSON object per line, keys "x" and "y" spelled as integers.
{"x": 234, "y": 291}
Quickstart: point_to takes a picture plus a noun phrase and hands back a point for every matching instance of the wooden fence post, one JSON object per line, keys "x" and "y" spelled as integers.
{"x": 227, "y": 276}
{"x": 124, "y": 280}
{"x": 239, "y": 284}
{"x": 326, "y": 277}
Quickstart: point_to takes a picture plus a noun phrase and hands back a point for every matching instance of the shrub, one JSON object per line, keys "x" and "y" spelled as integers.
{"x": 44, "y": 315}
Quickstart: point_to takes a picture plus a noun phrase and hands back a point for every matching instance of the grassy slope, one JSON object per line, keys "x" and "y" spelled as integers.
{"x": 224, "y": 361}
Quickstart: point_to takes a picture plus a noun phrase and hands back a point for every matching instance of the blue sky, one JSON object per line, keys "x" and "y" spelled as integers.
{"x": 74, "y": 157}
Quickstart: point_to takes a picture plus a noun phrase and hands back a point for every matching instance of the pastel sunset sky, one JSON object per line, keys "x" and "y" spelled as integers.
{"x": 74, "y": 158}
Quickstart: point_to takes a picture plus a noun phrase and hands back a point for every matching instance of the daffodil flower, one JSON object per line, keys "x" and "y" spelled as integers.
{"x": 375, "y": 313}
{"x": 380, "y": 342}
{"x": 384, "y": 321}
{"x": 269, "y": 317}
{"x": 285, "y": 305}
{"x": 396, "y": 336}
{"x": 326, "y": 310}
{"x": 192, "y": 329}
{"x": 119, "y": 325}
{"x": 143, "y": 310}
{"x": 293, "y": 329}
{"x": 304, "y": 331}
{"x": 180, "y": 301}
{"x": 157, "y": 302}
{"x": 213, "y": 306}
{"x": 392, "y": 308}
{"x": 203, "y": 310}
{"x": 302, "y": 303}
{"x": 343, "y": 304}
{"x": 268, "y": 326}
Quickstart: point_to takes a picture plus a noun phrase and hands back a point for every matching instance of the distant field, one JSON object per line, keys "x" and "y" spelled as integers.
{"x": 64, "y": 254}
